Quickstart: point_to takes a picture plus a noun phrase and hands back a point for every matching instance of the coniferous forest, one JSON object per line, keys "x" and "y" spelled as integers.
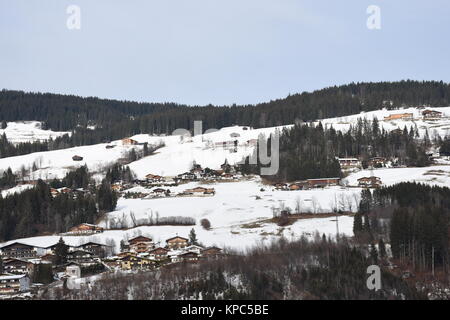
{"x": 113, "y": 119}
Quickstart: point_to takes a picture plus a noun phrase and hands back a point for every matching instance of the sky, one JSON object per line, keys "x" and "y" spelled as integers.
{"x": 225, "y": 52}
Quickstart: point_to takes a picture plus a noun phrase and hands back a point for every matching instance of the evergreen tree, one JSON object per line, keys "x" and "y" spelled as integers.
{"x": 61, "y": 251}
{"x": 193, "y": 237}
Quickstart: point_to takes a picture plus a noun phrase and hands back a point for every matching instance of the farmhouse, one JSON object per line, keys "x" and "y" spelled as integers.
{"x": 323, "y": 182}
{"x": 377, "y": 162}
{"x": 187, "y": 176}
{"x": 158, "y": 254}
{"x": 128, "y": 142}
{"x": 349, "y": 162}
{"x": 399, "y": 116}
{"x": 140, "y": 244}
{"x": 177, "y": 242}
{"x": 431, "y": 115}
{"x": 14, "y": 283}
{"x": 369, "y": 182}
{"x": 200, "y": 191}
{"x": 85, "y": 228}
{"x": 211, "y": 252}
{"x": 154, "y": 178}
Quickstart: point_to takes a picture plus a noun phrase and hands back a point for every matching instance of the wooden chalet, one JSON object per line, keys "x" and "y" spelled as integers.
{"x": 85, "y": 228}
{"x": 129, "y": 142}
{"x": 177, "y": 242}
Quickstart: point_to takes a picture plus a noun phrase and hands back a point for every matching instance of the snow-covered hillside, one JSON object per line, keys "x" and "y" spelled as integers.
{"x": 29, "y": 131}
{"x": 176, "y": 157}
{"x": 435, "y": 127}
{"x": 434, "y": 175}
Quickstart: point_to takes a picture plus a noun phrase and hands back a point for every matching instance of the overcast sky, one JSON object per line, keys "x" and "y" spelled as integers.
{"x": 218, "y": 51}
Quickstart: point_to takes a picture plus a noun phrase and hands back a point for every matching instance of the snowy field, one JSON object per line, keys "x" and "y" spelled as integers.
{"x": 29, "y": 131}
{"x": 434, "y": 175}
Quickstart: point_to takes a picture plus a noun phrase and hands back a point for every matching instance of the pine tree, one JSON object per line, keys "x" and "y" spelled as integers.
{"x": 61, "y": 251}
{"x": 193, "y": 237}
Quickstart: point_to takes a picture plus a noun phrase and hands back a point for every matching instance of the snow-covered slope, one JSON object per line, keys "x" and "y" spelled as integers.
{"x": 29, "y": 131}
{"x": 435, "y": 127}
{"x": 176, "y": 157}
{"x": 178, "y": 154}
{"x": 434, "y": 175}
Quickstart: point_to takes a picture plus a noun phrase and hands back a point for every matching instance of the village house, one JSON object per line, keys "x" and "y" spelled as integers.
{"x": 85, "y": 228}
{"x": 187, "y": 176}
{"x": 16, "y": 266}
{"x": 161, "y": 192}
{"x": 131, "y": 262}
{"x": 194, "y": 248}
{"x": 96, "y": 249}
{"x": 21, "y": 251}
{"x": 347, "y": 163}
{"x": 399, "y": 116}
{"x": 129, "y": 142}
{"x": 177, "y": 243}
{"x": 211, "y": 253}
{"x": 431, "y": 115}
{"x": 10, "y": 284}
{"x": 369, "y": 182}
{"x": 323, "y": 182}
{"x": 200, "y": 191}
{"x": 158, "y": 254}
{"x": 140, "y": 244}
{"x": 377, "y": 162}
{"x": 152, "y": 178}
{"x": 82, "y": 257}
{"x": 188, "y": 257}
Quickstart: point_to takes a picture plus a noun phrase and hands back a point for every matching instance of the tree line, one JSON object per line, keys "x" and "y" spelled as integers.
{"x": 94, "y": 120}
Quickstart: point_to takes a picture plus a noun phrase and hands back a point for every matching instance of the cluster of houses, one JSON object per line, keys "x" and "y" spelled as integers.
{"x": 308, "y": 184}
{"x": 426, "y": 115}
{"x": 226, "y": 172}
{"x": 65, "y": 190}
{"x": 160, "y": 184}
{"x": 19, "y": 260}
{"x": 141, "y": 253}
